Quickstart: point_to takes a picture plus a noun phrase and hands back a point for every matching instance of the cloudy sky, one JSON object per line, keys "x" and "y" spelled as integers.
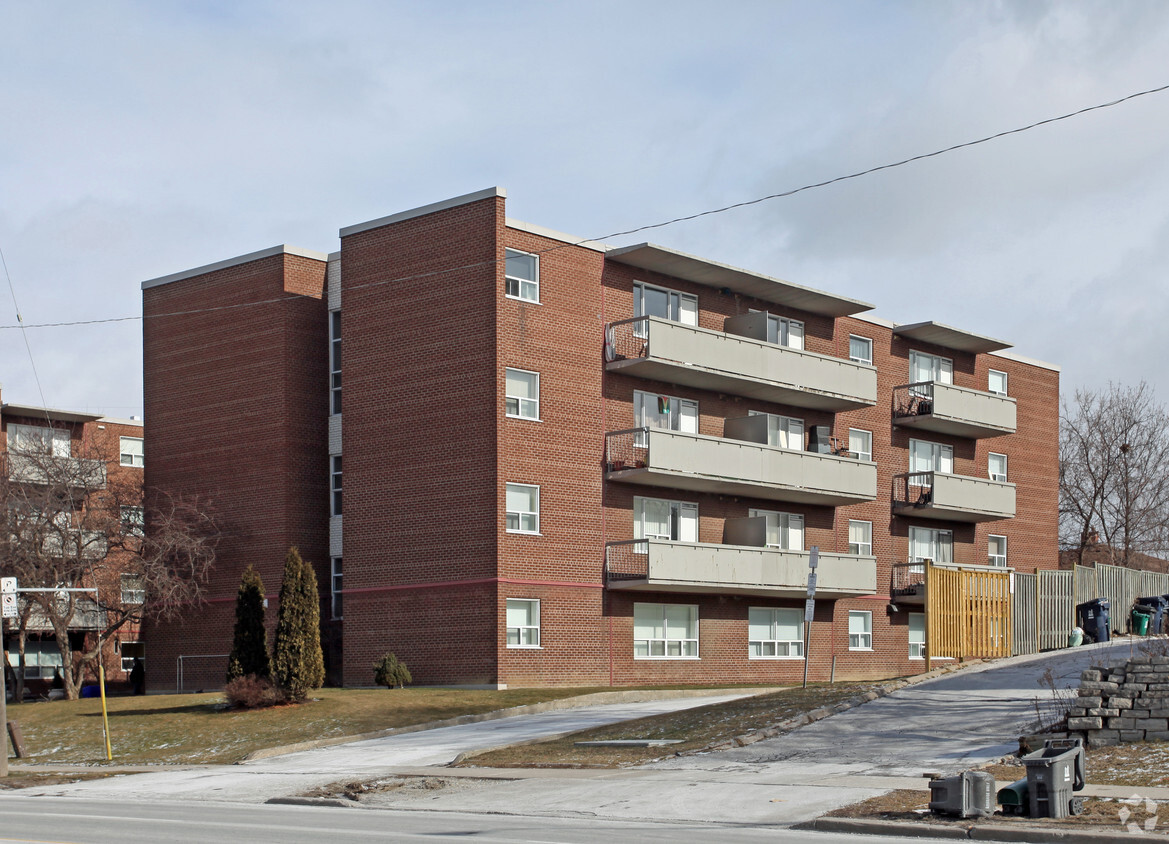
{"x": 143, "y": 138}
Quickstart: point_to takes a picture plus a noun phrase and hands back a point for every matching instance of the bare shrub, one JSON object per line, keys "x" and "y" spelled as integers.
{"x": 252, "y": 692}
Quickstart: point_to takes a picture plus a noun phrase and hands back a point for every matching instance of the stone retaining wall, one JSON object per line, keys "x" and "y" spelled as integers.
{"x": 1123, "y": 703}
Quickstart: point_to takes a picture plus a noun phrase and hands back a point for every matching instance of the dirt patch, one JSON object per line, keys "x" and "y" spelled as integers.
{"x": 397, "y": 790}
{"x": 27, "y": 780}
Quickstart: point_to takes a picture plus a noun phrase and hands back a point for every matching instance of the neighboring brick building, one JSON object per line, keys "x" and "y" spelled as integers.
{"x": 540, "y": 489}
{"x": 49, "y": 451}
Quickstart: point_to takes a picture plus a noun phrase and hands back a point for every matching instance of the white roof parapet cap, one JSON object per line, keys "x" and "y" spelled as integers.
{"x": 335, "y": 256}
{"x": 283, "y": 249}
{"x": 875, "y": 320}
{"x": 551, "y": 234}
{"x": 1054, "y": 367}
{"x": 34, "y": 412}
{"x": 423, "y": 210}
{"x": 120, "y": 420}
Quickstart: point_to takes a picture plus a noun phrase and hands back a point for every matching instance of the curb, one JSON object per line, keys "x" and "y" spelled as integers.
{"x": 973, "y": 832}
{"x": 594, "y": 699}
{"x": 311, "y": 801}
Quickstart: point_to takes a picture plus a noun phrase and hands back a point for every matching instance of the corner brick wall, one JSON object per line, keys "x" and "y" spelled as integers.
{"x": 1123, "y": 704}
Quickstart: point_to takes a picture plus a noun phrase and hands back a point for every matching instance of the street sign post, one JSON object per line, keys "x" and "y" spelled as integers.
{"x": 810, "y": 604}
{"x": 8, "y": 600}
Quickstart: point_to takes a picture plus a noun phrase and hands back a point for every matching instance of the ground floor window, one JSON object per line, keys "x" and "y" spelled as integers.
{"x": 665, "y": 631}
{"x": 42, "y": 659}
{"x": 523, "y": 623}
{"x": 860, "y": 630}
{"x": 775, "y": 633}
{"x": 917, "y": 635}
{"x": 130, "y": 652}
{"x": 335, "y": 586}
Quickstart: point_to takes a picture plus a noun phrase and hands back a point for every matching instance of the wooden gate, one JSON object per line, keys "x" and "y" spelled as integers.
{"x": 968, "y": 613}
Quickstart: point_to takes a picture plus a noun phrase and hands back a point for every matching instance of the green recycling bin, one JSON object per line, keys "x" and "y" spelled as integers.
{"x": 1141, "y": 616}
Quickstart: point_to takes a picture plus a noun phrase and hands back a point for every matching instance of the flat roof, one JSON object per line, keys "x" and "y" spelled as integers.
{"x": 650, "y": 256}
{"x": 34, "y": 412}
{"x": 283, "y": 249}
{"x": 453, "y": 202}
{"x": 950, "y": 338}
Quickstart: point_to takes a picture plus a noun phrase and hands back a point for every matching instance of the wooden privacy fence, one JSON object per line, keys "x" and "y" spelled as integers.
{"x": 1024, "y": 609}
{"x": 968, "y": 612}
{"x": 1055, "y": 607}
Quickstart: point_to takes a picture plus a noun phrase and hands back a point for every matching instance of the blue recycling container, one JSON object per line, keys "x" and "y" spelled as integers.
{"x": 1092, "y": 618}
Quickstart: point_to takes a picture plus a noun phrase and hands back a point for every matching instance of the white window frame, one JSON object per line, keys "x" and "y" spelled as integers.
{"x": 860, "y": 640}
{"x": 530, "y": 631}
{"x": 990, "y": 379}
{"x": 685, "y": 646}
{"x": 863, "y": 546}
{"x": 135, "y": 455}
{"x": 990, "y": 467}
{"x": 772, "y": 646}
{"x": 941, "y": 369}
{"x": 993, "y": 559}
{"x": 681, "y": 416}
{"x": 335, "y": 497}
{"x": 133, "y": 520}
{"x": 336, "y": 585}
{"x": 42, "y": 658}
{"x": 137, "y": 651}
{"x": 787, "y": 529}
{"x": 526, "y": 289}
{"x": 858, "y": 358}
{"x": 940, "y": 458}
{"x": 133, "y": 589}
{"x": 790, "y": 428}
{"x": 676, "y": 301}
{"x": 916, "y": 645}
{"x": 785, "y": 332}
{"x": 335, "y": 361}
{"x": 531, "y": 517}
{"x": 679, "y": 515}
{"x": 939, "y": 544}
{"x": 860, "y": 443}
{"x": 41, "y": 440}
{"x": 526, "y": 407}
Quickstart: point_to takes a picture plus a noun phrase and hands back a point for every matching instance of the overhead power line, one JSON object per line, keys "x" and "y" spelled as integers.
{"x": 651, "y": 226}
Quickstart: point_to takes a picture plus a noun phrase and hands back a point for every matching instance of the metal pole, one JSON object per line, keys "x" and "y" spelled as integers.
{"x": 3, "y": 702}
{"x": 810, "y": 605}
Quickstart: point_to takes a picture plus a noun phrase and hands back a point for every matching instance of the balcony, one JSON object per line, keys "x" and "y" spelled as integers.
{"x": 958, "y": 498}
{"x": 655, "y": 348}
{"x": 51, "y": 470}
{"x": 657, "y": 565}
{"x": 660, "y": 458}
{"x": 959, "y": 411}
{"x": 907, "y": 584}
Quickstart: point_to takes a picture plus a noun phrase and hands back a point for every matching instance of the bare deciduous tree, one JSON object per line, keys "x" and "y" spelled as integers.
{"x": 1114, "y": 472}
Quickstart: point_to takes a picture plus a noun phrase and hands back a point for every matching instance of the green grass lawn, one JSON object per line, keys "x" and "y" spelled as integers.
{"x": 197, "y": 729}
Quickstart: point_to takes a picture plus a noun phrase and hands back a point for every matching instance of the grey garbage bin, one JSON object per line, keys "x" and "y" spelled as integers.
{"x": 968, "y": 795}
{"x": 1053, "y": 773}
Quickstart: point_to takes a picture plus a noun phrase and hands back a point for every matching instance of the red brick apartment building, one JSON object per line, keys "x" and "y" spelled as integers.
{"x": 43, "y": 446}
{"x": 570, "y": 464}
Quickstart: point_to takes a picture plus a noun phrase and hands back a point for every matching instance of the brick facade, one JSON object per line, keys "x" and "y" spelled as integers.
{"x": 428, "y": 332}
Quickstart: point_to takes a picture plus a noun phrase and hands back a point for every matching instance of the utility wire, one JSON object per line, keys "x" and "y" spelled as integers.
{"x": 24, "y": 333}
{"x": 650, "y": 226}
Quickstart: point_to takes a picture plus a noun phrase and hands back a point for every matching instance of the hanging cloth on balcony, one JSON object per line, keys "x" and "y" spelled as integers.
{"x": 663, "y": 404}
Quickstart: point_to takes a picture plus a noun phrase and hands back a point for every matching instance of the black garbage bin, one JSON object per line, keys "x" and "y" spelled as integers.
{"x": 1158, "y": 603}
{"x": 1092, "y": 618}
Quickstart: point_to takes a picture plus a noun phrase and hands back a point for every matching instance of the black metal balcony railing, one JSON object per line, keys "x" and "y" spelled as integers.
{"x": 907, "y": 578}
{"x": 913, "y": 399}
{"x": 627, "y": 559}
{"x": 627, "y": 338}
{"x": 914, "y": 489}
{"x": 627, "y": 449}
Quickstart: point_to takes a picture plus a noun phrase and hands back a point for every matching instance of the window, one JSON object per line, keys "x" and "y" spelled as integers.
{"x": 923, "y": 367}
{"x": 131, "y": 651}
{"x": 132, "y": 451}
{"x": 783, "y": 431}
{"x": 996, "y": 465}
{"x": 336, "y": 485}
{"x": 665, "y": 631}
{"x": 930, "y": 544}
{"x": 774, "y": 634}
{"x": 522, "y": 273}
{"x": 133, "y": 589}
{"x": 133, "y": 521}
{"x": 785, "y": 332}
{"x": 41, "y": 659}
{"x": 523, "y": 623}
{"x": 996, "y": 551}
{"x": 335, "y": 359}
{"x": 860, "y": 349}
{"x": 661, "y": 302}
{"x": 917, "y": 635}
{"x": 997, "y": 382}
{"x": 651, "y": 410}
{"x": 860, "y": 443}
{"x": 784, "y": 530}
{"x": 523, "y": 508}
{"x": 860, "y": 630}
{"x": 860, "y": 538}
{"x": 335, "y": 588}
{"x": 657, "y": 518}
{"x": 522, "y": 394}
{"x": 36, "y": 439}
{"x": 930, "y": 457}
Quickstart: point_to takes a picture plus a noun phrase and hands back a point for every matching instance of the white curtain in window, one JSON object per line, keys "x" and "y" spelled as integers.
{"x": 930, "y": 457}
{"x": 923, "y": 367}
